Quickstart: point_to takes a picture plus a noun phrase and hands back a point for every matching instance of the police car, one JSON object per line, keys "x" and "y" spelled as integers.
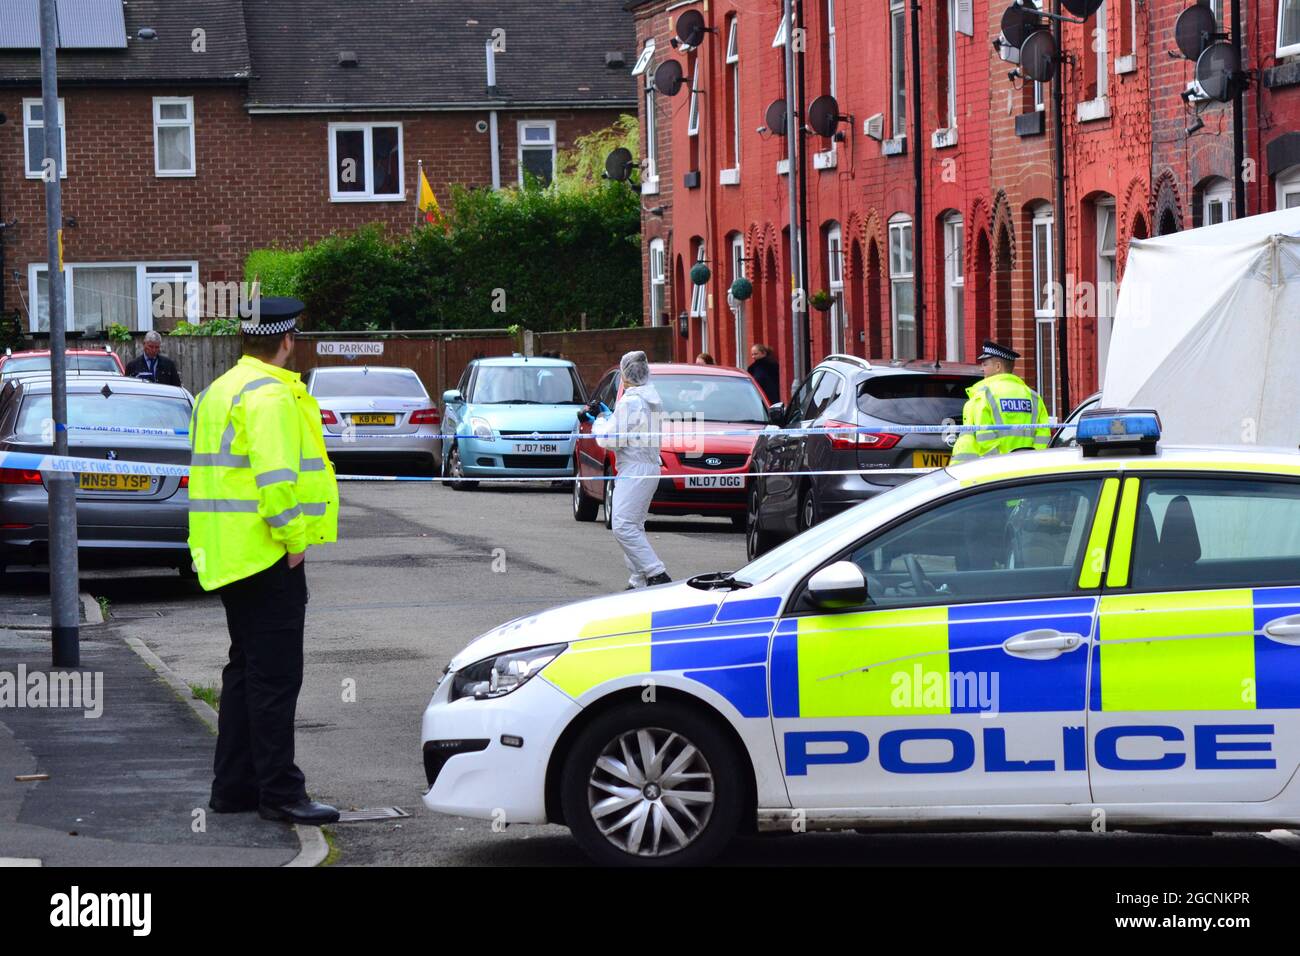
{"x": 1109, "y": 632}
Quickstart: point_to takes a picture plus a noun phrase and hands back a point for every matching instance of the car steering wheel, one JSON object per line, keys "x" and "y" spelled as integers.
{"x": 920, "y": 582}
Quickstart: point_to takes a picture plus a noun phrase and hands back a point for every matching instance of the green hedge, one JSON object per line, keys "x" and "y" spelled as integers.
{"x": 535, "y": 258}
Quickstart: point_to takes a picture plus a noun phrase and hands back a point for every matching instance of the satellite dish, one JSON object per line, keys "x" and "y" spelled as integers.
{"x": 669, "y": 78}
{"x": 824, "y": 116}
{"x": 1082, "y": 8}
{"x": 691, "y": 28}
{"x": 618, "y": 164}
{"x": 775, "y": 117}
{"x": 1018, "y": 21}
{"x": 1194, "y": 30}
{"x": 1216, "y": 71}
{"x": 1038, "y": 56}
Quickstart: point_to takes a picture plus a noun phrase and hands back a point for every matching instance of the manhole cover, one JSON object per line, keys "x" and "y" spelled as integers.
{"x": 372, "y": 813}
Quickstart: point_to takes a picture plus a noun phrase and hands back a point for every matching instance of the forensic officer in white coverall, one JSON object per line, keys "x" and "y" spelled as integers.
{"x": 632, "y": 430}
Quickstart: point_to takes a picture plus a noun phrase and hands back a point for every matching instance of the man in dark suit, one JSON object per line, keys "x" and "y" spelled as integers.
{"x": 153, "y": 366}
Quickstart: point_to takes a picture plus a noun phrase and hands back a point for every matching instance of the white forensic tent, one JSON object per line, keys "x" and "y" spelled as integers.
{"x": 1207, "y": 332}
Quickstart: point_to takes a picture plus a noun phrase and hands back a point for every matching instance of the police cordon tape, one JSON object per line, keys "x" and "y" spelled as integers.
{"x": 29, "y": 461}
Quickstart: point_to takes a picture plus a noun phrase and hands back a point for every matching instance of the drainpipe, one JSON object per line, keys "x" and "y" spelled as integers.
{"x": 494, "y": 139}
{"x": 918, "y": 185}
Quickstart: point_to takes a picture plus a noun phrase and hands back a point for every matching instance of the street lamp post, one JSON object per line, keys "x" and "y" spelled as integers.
{"x": 65, "y": 608}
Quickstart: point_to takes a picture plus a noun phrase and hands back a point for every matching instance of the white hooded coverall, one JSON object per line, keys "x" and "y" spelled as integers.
{"x": 633, "y": 429}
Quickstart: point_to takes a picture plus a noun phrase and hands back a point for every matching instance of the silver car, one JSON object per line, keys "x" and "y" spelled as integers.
{"x": 377, "y": 418}
{"x": 122, "y": 519}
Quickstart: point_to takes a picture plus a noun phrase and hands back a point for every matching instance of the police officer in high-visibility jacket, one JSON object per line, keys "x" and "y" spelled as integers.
{"x": 261, "y": 491}
{"x": 1002, "y": 398}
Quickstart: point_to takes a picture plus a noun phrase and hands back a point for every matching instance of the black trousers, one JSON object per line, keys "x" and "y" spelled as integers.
{"x": 259, "y": 688}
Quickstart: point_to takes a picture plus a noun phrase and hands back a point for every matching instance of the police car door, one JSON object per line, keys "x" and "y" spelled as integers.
{"x": 963, "y": 681}
{"x": 1195, "y": 690}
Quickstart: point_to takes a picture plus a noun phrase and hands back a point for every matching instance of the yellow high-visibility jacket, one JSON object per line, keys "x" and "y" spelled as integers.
{"x": 1000, "y": 400}
{"x": 261, "y": 484}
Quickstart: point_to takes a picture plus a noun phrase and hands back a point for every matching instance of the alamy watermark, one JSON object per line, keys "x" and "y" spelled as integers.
{"x": 67, "y": 690}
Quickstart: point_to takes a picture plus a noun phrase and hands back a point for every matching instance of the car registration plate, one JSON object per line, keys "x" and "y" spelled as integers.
{"x": 931, "y": 459}
{"x": 374, "y": 418}
{"x": 715, "y": 481}
{"x": 94, "y": 481}
{"x": 536, "y": 448}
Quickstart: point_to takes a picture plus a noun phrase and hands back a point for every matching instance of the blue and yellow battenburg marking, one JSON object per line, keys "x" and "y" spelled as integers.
{"x": 1195, "y": 650}
{"x": 721, "y": 646}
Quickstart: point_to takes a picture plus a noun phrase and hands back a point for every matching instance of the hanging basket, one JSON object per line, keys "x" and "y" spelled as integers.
{"x": 742, "y": 289}
{"x": 700, "y": 273}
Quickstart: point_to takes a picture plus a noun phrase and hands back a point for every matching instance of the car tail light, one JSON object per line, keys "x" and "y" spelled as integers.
{"x": 185, "y": 481}
{"x": 425, "y": 416}
{"x": 327, "y": 417}
{"x": 19, "y": 476}
{"x": 862, "y": 441}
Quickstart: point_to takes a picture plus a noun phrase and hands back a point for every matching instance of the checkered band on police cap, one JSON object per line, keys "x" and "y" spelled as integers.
{"x": 992, "y": 349}
{"x": 274, "y": 315}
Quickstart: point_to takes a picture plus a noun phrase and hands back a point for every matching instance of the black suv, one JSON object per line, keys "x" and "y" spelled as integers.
{"x": 857, "y": 393}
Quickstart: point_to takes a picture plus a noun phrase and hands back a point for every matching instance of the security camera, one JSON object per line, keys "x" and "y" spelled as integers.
{"x": 481, "y": 126}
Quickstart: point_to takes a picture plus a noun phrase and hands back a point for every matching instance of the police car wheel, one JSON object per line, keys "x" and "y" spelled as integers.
{"x": 652, "y": 785}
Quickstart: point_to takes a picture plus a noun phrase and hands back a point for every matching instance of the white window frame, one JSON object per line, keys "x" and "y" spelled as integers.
{"x": 1217, "y": 7}
{"x": 954, "y": 278}
{"x": 897, "y": 69}
{"x": 1287, "y": 184}
{"x": 738, "y": 308}
{"x": 658, "y": 282}
{"x": 699, "y": 293}
{"x": 781, "y": 33}
{"x": 733, "y": 78}
{"x": 1101, "y": 33}
{"x": 180, "y": 268}
{"x": 693, "y": 116}
{"x": 835, "y": 282}
{"x": 521, "y": 144}
{"x": 1283, "y": 20}
{"x": 30, "y": 124}
{"x": 643, "y": 61}
{"x": 367, "y": 164}
{"x": 900, "y": 272}
{"x": 1040, "y": 100}
{"x": 1043, "y": 299}
{"x": 832, "y": 61}
{"x": 1216, "y": 193}
{"x": 1106, "y": 278}
{"x": 952, "y": 64}
{"x": 160, "y": 123}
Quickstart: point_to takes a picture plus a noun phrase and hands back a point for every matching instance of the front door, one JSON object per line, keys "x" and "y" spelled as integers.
{"x": 964, "y": 680}
{"x": 1196, "y": 679}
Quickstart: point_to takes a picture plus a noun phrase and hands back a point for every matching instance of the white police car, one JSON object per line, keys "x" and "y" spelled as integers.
{"x": 1025, "y": 641}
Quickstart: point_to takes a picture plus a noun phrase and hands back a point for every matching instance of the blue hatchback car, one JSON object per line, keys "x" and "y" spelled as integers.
{"x": 504, "y": 417}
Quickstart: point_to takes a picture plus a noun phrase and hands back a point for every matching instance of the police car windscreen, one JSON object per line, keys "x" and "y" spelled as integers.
{"x": 713, "y": 398}
{"x": 914, "y": 399}
{"x": 119, "y": 408}
{"x": 372, "y": 383}
{"x": 526, "y": 385}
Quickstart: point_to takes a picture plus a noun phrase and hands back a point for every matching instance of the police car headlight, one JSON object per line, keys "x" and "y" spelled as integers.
{"x": 498, "y": 676}
{"x": 482, "y": 429}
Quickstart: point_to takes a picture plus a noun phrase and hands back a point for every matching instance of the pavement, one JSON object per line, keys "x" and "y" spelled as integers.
{"x": 128, "y": 787}
{"x": 421, "y": 569}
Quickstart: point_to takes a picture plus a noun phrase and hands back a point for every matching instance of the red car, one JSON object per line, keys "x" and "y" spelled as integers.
{"x": 79, "y": 360}
{"x": 697, "y": 398}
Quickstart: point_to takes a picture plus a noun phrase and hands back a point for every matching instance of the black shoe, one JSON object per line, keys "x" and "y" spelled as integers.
{"x": 304, "y": 811}
{"x": 233, "y": 806}
{"x": 661, "y": 578}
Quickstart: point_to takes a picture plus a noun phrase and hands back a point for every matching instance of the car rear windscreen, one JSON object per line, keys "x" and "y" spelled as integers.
{"x": 526, "y": 385}
{"x": 372, "y": 383}
{"x": 76, "y": 363}
{"x": 714, "y": 398}
{"x": 119, "y": 408}
{"x": 915, "y": 399}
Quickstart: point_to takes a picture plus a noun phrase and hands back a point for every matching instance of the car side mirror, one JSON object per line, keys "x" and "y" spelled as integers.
{"x": 837, "y": 586}
{"x": 776, "y": 413}
{"x": 452, "y": 396}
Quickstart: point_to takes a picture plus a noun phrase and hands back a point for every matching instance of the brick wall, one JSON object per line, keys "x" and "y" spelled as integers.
{"x": 597, "y": 351}
{"x": 262, "y": 180}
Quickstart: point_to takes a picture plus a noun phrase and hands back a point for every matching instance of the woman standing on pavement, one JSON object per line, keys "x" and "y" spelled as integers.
{"x": 632, "y": 430}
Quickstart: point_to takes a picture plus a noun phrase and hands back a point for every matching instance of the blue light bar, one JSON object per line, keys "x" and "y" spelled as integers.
{"x": 1116, "y": 429}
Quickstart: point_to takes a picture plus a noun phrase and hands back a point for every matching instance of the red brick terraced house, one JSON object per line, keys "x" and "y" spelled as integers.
{"x": 242, "y": 125}
{"x": 716, "y": 179}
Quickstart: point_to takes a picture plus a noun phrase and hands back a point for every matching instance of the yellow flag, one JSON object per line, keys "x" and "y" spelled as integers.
{"x": 428, "y": 203}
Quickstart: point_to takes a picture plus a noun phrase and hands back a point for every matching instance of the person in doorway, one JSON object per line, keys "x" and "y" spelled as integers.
{"x": 765, "y": 371}
{"x": 632, "y": 430}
